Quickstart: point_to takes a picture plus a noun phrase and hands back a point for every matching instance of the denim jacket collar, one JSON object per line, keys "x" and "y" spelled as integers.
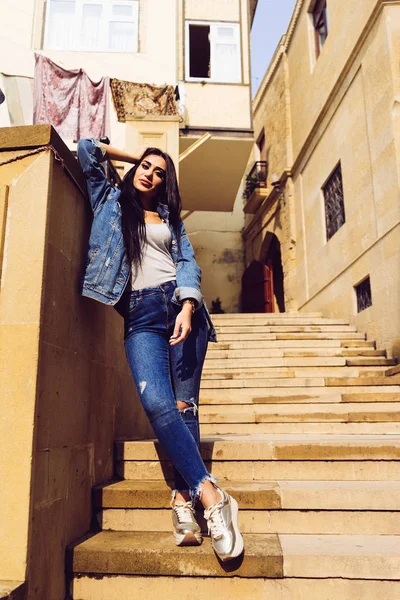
{"x": 163, "y": 211}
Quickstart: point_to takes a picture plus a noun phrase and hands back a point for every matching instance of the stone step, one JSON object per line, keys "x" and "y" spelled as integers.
{"x": 260, "y": 371}
{"x": 316, "y": 470}
{"x": 265, "y": 321}
{"x": 259, "y": 353}
{"x": 274, "y": 448}
{"x": 288, "y": 382}
{"x": 347, "y": 457}
{"x": 317, "y": 413}
{"x": 300, "y": 522}
{"x": 224, "y": 329}
{"x": 335, "y": 381}
{"x": 296, "y": 395}
{"x": 297, "y": 361}
{"x": 122, "y": 587}
{"x": 262, "y": 383}
{"x": 155, "y": 553}
{"x": 266, "y": 556}
{"x": 289, "y": 337}
{"x": 261, "y": 495}
{"x": 250, "y": 373}
{"x": 393, "y": 371}
{"x": 328, "y": 428}
{"x": 285, "y": 315}
{"x": 370, "y": 361}
{"x": 289, "y": 344}
{"x": 271, "y": 316}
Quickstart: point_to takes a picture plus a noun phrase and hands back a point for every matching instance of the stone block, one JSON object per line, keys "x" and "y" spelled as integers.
{"x": 155, "y": 553}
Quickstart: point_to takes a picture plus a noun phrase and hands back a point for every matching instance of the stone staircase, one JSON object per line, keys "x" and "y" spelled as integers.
{"x": 301, "y": 422}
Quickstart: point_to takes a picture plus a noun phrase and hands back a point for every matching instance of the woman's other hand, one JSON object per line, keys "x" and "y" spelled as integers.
{"x": 183, "y": 325}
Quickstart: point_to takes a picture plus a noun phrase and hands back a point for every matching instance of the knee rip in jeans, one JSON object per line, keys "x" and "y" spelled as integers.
{"x": 185, "y": 407}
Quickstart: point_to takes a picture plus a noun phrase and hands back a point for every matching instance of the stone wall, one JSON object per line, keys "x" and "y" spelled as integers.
{"x": 68, "y": 392}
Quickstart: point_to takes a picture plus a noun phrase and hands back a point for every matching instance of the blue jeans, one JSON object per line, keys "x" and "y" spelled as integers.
{"x": 165, "y": 374}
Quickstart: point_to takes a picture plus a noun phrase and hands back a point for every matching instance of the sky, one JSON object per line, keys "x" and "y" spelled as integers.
{"x": 270, "y": 23}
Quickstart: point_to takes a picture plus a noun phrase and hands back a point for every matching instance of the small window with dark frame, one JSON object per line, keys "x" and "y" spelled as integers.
{"x": 320, "y": 21}
{"x": 261, "y": 145}
{"x": 363, "y": 293}
{"x": 334, "y": 202}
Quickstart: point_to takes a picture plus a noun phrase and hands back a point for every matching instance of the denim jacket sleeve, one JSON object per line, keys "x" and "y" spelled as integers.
{"x": 188, "y": 272}
{"x": 90, "y": 157}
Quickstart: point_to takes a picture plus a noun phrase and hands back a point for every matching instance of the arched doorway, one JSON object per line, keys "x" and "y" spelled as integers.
{"x": 262, "y": 281}
{"x": 257, "y": 289}
{"x": 270, "y": 254}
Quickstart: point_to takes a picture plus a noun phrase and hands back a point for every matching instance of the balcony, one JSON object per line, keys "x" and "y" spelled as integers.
{"x": 256, "y": 187}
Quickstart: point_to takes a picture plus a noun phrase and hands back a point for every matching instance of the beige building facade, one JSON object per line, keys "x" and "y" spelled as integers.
{"x": 69, "y": 394}
{"x": 201, "y": 46}
{"x": 326, "y": 211}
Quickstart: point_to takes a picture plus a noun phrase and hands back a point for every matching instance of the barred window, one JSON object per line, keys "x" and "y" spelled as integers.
{"x": 363, "y": 293}
{"x": 320, "y": 21}
{"x": 334, "y": 202}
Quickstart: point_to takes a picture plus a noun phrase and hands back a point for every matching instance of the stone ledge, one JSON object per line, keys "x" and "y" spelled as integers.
{"x": 157, "y": 494}
{"x": 261, "y": 495}
{"x": 34, "y": 136}
{"x": 155, "y": 553}
{"x": 274, "y": 447}
{"x": 204, "y": 588}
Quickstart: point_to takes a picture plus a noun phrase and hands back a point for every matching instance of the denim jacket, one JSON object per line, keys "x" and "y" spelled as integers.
{"x": 107, "y": 270}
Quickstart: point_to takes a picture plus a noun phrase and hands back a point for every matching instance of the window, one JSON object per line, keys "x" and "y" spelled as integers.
{"x": 320, "y": 21}
{"x": 363, "y": 293}
{"x": 95, "y": 25}
{"x": 213, "y": 52}
{"x": 334, "y": 202}
{"x": 261, "y": 146}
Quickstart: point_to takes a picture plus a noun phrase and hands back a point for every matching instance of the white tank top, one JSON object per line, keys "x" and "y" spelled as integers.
{"x": 157, "y": 264}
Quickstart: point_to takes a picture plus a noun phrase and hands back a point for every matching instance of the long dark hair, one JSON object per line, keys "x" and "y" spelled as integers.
{"x": 133, "y": 225}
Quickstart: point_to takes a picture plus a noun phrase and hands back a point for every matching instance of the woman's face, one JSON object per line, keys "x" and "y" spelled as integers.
{"x": 150, "y": 175}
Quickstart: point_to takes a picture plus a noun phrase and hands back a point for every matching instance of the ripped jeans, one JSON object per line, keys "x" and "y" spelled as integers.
{"x": 165, "y": 374}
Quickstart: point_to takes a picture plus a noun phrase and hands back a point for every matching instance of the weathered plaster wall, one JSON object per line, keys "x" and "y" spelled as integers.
{"x": 217, "y": 242}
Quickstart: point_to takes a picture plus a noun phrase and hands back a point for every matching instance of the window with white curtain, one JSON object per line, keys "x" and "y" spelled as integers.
{"x": 213, "y": 52}
{"x": 92, "y": 25}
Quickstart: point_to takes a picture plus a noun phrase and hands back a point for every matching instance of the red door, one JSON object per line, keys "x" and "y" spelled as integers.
{"x": 258, "y": 288}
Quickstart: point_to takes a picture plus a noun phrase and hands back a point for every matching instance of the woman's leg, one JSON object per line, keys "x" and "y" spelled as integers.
{"x": 146, "y": 343}
{"x": 187, "y": 361}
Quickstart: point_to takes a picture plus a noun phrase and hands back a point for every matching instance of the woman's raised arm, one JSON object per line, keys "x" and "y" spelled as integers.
{"x": 117, "y": 154}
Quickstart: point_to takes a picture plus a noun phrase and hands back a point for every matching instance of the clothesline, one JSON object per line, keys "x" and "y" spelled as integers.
{"x": 78, "y": 107}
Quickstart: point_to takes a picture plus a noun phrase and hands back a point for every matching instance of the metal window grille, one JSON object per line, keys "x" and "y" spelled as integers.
{"x": 334, "y": 202}
{"x": 363, "y": 293}
{"x": 256, "y": 178}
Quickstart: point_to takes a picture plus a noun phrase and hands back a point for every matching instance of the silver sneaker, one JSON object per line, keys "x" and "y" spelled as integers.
{"x": 187, "y": 531}
{"x": 222, "y": 521}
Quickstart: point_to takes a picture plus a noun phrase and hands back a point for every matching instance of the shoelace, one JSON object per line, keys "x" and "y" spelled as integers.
{"x": 184, "y": 511}
{"x": 215, "y": 523}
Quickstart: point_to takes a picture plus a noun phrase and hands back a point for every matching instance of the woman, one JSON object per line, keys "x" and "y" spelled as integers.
{"x": 141, "y": 261}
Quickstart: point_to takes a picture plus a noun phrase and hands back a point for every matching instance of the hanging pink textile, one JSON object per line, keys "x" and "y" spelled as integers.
{"x": 76, "y": 106}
